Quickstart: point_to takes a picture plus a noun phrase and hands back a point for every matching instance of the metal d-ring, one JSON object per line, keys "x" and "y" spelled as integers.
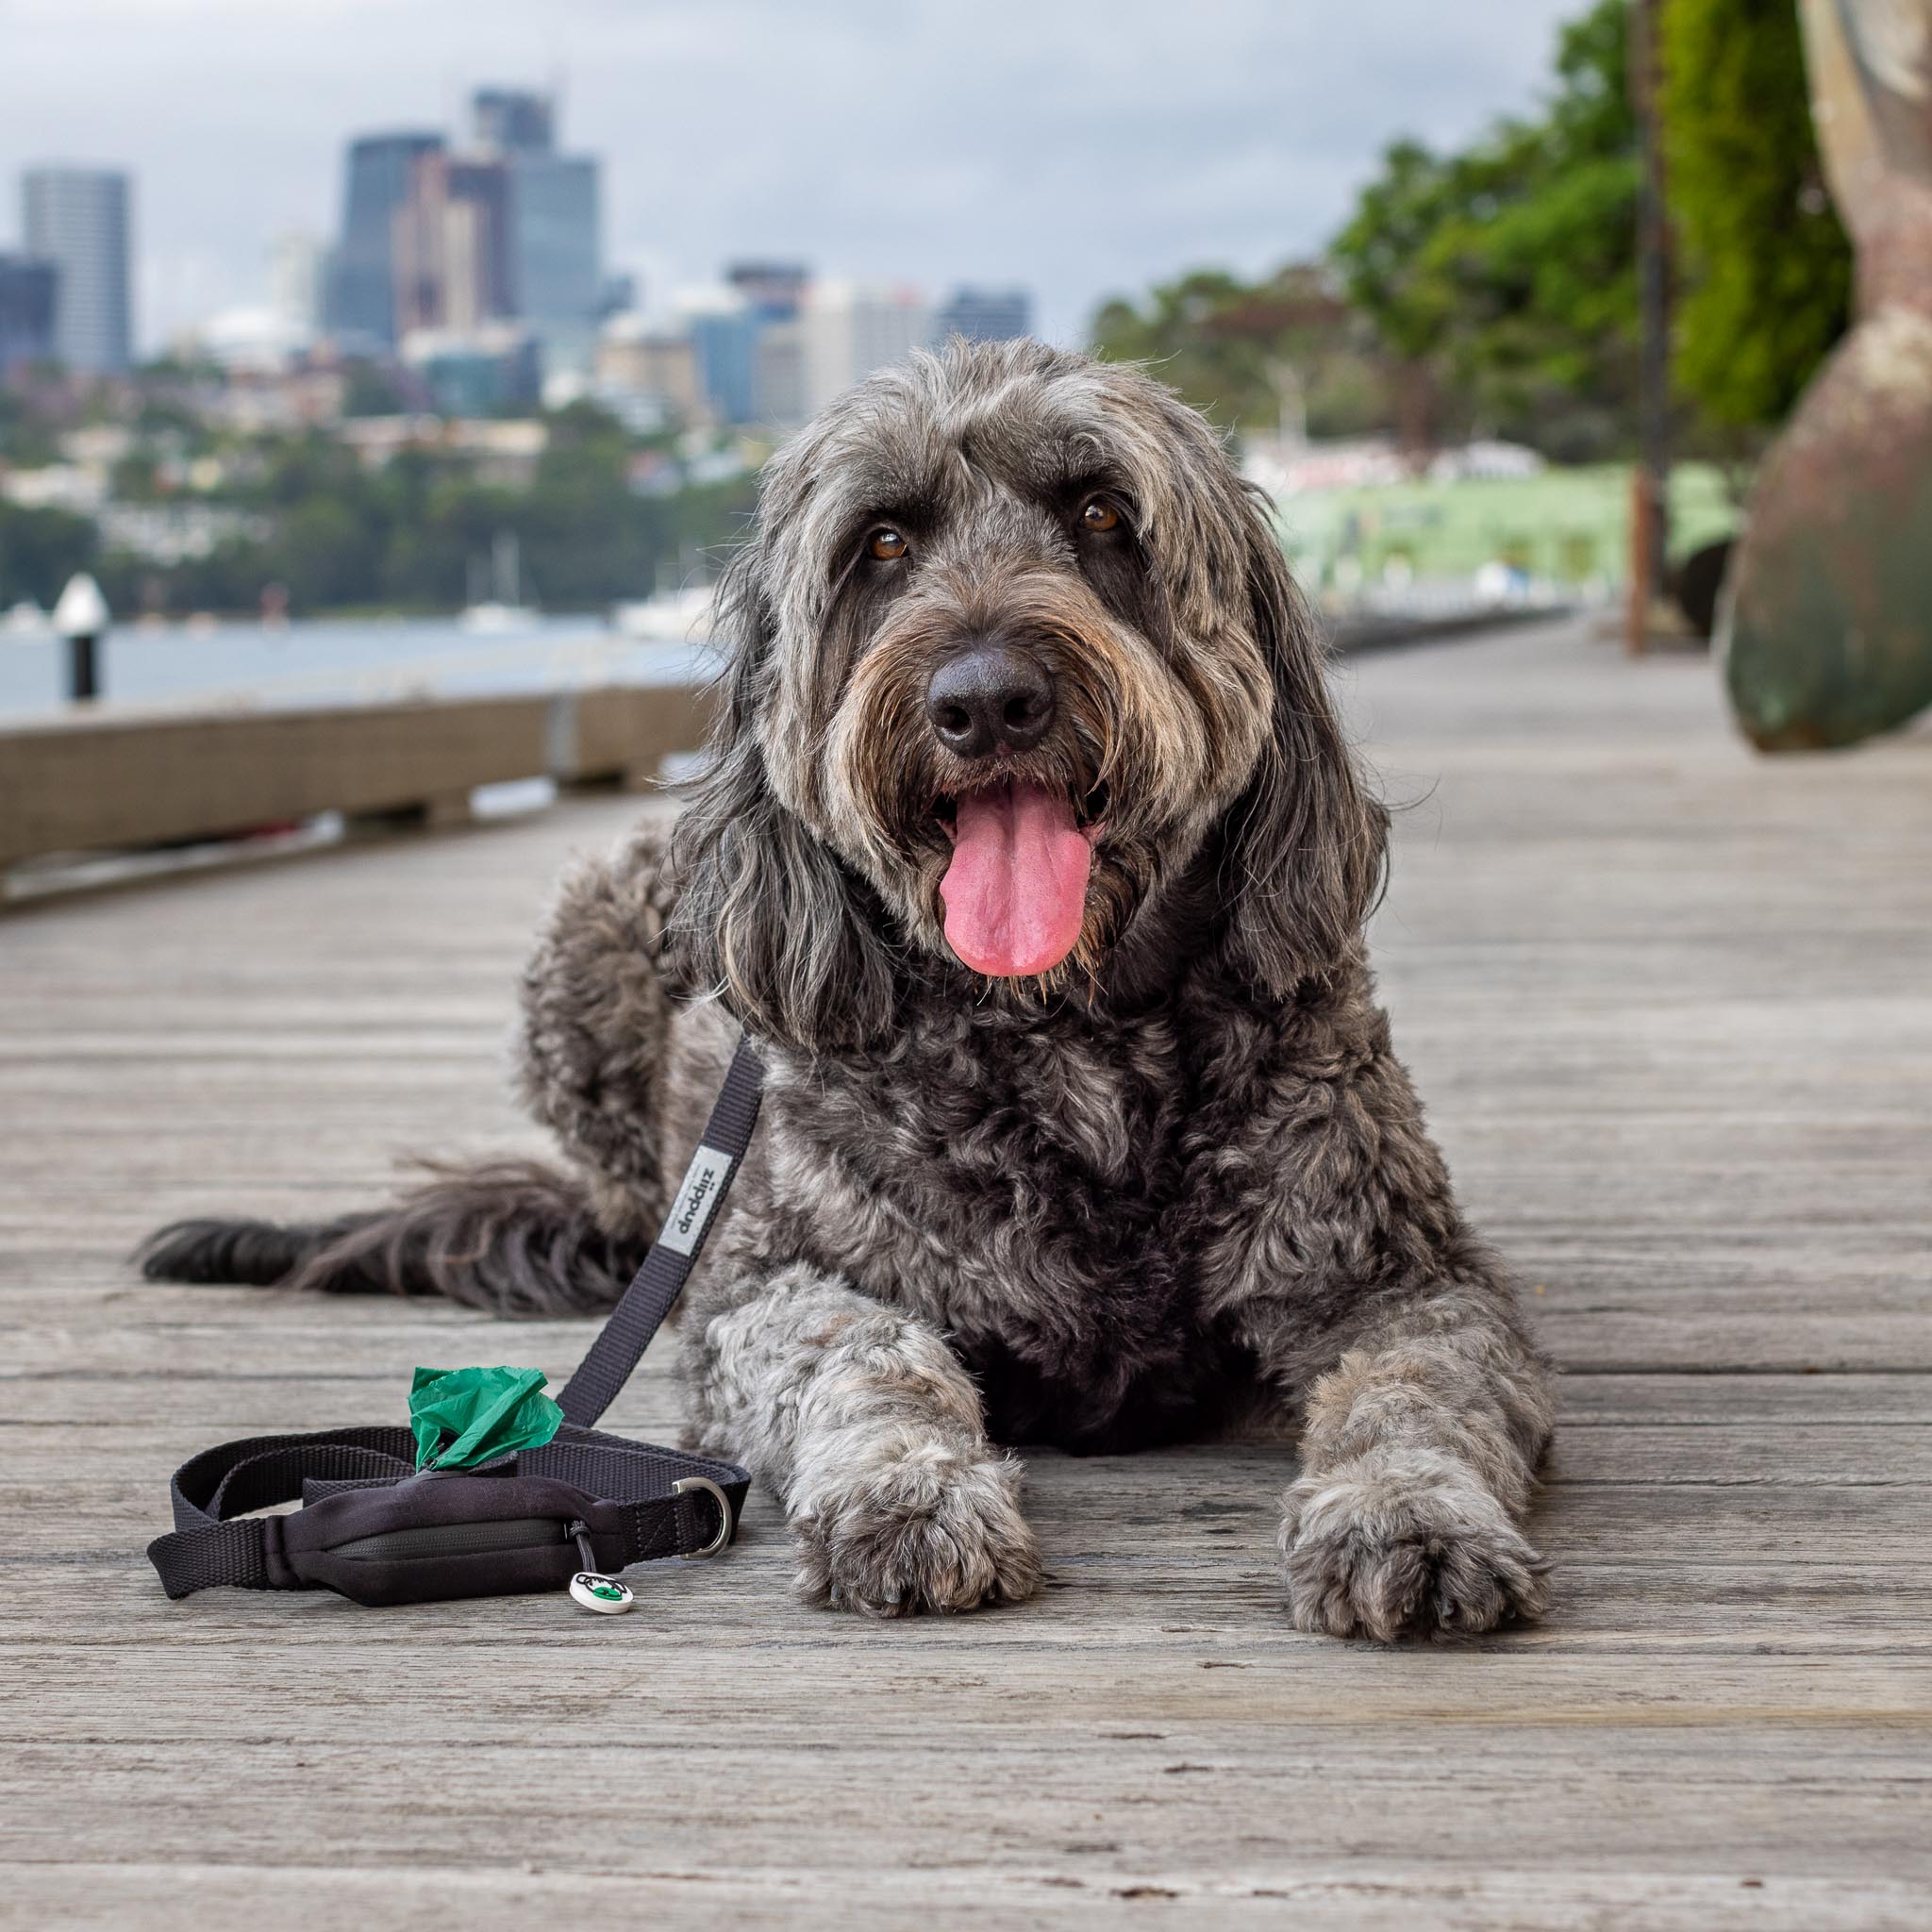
{"x": 725, "y": 1525}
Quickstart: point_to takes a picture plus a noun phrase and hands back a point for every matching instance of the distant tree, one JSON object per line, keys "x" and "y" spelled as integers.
{"x": 26, "y": 440}
{"x": 368, "y": 390}
{"x": 39, "y": 549}
{"x": 1765, "y": 267}
{"x": 1249, "y": 354}
{"x": 1499, "y": 280}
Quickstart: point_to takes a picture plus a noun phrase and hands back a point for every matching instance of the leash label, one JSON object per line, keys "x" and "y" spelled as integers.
{"x": 697, "y": 1200}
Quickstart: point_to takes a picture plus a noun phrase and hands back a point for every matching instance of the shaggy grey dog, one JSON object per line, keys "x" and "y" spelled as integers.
{"x": 1032, "y": 855}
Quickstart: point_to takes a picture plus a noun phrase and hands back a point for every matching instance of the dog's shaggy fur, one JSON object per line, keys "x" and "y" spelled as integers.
{"x": 1179, "y": 1181}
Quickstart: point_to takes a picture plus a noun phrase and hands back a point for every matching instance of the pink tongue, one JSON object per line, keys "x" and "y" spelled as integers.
{"x": 1016, "y": 891}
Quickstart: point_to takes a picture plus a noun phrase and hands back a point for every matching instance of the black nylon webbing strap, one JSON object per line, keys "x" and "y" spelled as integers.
{"x": 207, "y": 1549}
{"x": 693, "y": 1213}
{"x": 629, "y": 1491}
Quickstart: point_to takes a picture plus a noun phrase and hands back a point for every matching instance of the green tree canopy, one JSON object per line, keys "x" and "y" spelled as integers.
{"x": 1499, "y": 280}
{"x": 1764, "y": 267}
{"x": 1249, "y": 354}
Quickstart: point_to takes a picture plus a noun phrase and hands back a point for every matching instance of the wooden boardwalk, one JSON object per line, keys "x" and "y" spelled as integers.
{"x": 1672, "y": 1007}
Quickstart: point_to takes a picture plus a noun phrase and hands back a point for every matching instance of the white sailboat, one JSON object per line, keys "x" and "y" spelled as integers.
{"x": 26, "y": 621}
{"x": 671, "y": 617}
{"x": 503, "y": 610}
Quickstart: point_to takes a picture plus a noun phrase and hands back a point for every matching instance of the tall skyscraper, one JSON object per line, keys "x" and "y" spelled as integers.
{"x": 513, "y": 120}
{"x": 556, "y": 259}
{"x": 361, "y": 307}
{"x": 77, "y": 219}
{"x": 450, "y": 244}
{"x": 554, "y": 218}
{"x": 27, "y": 293}
{"x": 985, "y": 315}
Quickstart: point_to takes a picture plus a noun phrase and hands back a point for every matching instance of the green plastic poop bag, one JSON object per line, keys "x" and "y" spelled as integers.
{"x": 462, "y": 1418}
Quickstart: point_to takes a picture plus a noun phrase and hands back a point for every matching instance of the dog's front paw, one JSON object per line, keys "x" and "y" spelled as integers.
{"x": 927, "y": 1526}
{"x": 1394, "y": 1546}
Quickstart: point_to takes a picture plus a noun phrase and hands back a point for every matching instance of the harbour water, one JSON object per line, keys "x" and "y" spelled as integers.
{"x": 331, "y": 661}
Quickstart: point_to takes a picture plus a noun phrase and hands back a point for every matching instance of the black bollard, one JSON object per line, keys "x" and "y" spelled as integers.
{"x": 81, "y": 617}
{"x": 83, "y": 667}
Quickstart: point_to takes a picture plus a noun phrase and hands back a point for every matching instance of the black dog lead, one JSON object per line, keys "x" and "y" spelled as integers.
{"x": 371, "y": 1531}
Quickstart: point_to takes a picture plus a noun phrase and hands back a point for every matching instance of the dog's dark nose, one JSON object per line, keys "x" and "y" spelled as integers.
{"x": 986, "y": 698}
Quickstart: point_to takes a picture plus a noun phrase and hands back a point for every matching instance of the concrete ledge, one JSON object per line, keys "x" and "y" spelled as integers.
{"x": 89, "y": 783}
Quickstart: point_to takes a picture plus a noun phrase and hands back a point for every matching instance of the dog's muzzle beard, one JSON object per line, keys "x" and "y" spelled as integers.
{"x": 904, "y": 790}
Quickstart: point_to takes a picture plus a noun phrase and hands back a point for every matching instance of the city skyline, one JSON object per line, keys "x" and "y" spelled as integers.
{"x": 1111, "y": 158}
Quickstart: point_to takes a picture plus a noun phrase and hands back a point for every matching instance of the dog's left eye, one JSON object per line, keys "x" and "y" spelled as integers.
{"x": 1100, "y": 513}
{"x": 887, "y": 545}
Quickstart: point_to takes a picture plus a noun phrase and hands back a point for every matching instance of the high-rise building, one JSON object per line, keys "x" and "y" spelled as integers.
{"x": 450, "y": 241}
{"x": 513, "y": 120}
{"x": 360, "y": 306}
{"x": 28, "y": 290}
{"x": 556, "y": 259}
{"x": 984, "y": 315}
{"x": 77, "y": 219}
{"x": 848, "y": 331}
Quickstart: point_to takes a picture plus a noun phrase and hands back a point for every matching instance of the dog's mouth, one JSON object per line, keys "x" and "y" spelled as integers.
{"x": 1015, "y": 889}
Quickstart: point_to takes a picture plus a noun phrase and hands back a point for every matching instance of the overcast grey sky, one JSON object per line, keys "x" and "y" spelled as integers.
{"x": 1081, "y": 149}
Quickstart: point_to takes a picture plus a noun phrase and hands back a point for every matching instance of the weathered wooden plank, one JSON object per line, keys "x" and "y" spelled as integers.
{"x": 1323, "y": 1895}
{"x": 249, "y": 1374}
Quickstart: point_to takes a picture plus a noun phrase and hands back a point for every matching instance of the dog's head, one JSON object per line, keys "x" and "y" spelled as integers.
{"x": 1014, "y": 651}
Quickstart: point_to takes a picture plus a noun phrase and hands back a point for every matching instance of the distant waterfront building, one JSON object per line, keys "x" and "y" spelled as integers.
{"x": 775, "y": 291}
{"x": 295, "y": 267}
{"x": 474, "y": 372}
{"x": 77, "y": 219}
{"x": 513, "y": 120}
{"x": 28, "y": 293}
{"x": 848, "y": 331}
{"x": 724, "y": 333}
{"x": 985, "y": 315}
{"x": 778, "y": 376}
{"x": 769, "y": 375}
{"x": 634, "y": 359}
{"x": 360, "y": 303}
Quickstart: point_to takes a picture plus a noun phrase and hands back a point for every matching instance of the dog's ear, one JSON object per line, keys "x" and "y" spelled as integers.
{"x": 1307, "y": 844}
{"x": 767, "y": 917}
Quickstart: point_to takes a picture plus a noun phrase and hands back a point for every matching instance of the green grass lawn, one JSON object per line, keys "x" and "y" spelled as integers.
{"x": 1570, "y": 526}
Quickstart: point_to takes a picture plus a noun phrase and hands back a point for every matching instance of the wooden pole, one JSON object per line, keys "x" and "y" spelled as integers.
{"x": 1650, "y": 495}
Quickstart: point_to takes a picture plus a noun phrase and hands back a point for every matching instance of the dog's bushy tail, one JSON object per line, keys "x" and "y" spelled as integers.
{"x": 513, "y": 1237}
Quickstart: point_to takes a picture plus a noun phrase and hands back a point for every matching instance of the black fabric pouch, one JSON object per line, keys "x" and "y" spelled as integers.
{"x": 373, "y": 1530}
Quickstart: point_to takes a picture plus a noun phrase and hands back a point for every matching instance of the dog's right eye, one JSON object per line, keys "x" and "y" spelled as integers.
{"x": 887, "y": 545}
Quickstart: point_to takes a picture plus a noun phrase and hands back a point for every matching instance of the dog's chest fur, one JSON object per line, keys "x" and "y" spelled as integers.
{"x": 1063, "y": 1196}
